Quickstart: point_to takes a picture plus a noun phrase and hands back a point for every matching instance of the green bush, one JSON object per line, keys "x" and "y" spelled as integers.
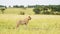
{"x": 22, "y": 13}
{"x": 36, "y": 10}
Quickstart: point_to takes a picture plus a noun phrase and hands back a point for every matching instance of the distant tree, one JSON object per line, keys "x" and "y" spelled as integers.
{"x": 45, "y": 8}
{"x": 21, "y": 6}
{"x": 15, "y": 6}
{"x": 55, "y": 7}
{"x": 9, "y": 6}
{"x": 37, "y": 11}
{"x": 2, "y": 6}
{"x": 33, "y": 6}
{"x": 5, "y": 7}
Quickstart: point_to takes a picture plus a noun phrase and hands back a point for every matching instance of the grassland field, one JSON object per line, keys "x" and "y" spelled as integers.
{"x": 18, "y": 10}
{"x": 39, "y": 24}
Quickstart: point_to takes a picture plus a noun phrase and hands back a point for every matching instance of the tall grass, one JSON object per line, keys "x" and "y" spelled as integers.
{"x": 40, "y": 24}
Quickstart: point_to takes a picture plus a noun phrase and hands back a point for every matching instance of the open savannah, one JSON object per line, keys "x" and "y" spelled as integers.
{"x": 39, "y": 24}
{"x": 29, "y": 19}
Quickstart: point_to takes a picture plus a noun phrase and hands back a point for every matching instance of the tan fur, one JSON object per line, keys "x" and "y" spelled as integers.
{"x": 23, "y": 22}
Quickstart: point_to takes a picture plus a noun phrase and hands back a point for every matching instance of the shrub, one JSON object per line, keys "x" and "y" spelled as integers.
{"x": 22, "y": 13}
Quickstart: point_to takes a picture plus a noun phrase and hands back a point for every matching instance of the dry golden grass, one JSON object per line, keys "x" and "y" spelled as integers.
{"x": 40, "y": 24}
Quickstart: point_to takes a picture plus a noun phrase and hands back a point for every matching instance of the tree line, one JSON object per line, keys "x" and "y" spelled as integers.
{"x": 38, "y": 9}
